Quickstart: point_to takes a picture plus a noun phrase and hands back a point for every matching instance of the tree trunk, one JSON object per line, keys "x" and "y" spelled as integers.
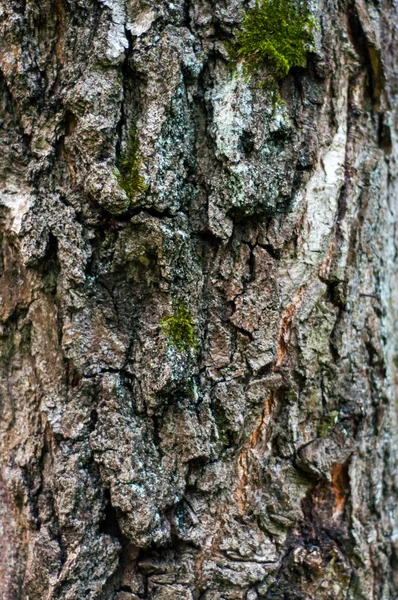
{"x": 199, "y": 300}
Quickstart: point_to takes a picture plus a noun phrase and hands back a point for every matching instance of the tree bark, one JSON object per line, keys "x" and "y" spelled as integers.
{"x": 262, "y": 462}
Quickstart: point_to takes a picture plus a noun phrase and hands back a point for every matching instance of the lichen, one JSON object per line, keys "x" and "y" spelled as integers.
{"x": 179, "y": 329}
{"x": 129, "y": 166}
{"x": 278, "y": 32}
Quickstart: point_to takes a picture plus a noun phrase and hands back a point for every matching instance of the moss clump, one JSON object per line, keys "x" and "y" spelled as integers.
{"x": 129, "y": 166}
{"x": 179, "y": 329}
{"x": 277, "y": 32}
{"x": 326, "y": 425}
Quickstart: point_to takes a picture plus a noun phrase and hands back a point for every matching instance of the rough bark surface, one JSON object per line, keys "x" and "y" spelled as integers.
{"x": 263, "y": 464}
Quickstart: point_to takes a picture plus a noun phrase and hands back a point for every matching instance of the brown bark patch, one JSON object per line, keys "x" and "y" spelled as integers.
{"x": 340, "y": 488}
{"x": 286, "y": 326}
{"x": 244, "y": 458}
{"x": 325, "y": 504}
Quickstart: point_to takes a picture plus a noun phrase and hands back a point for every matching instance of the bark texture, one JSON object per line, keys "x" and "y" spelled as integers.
{"x": 263, "y": 463}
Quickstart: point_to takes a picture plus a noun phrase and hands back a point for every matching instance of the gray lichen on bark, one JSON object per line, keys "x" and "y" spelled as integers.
{"x": 264, "y": 464}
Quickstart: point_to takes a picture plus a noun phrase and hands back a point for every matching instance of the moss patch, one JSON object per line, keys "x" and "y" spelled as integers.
{"x": 327, "y": 424}
{"x": 179, "y": 329}
{"x": 276, "y": 32}
{"x": 129, "y": 166}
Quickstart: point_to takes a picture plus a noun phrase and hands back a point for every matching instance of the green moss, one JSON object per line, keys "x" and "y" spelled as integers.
{"x": 141, "y": 268}
{"x": 326, "y": 425}
{"x": 278, "y": 32}
{"x": 179, "y": 329}
{"x": 129, "y": 166}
